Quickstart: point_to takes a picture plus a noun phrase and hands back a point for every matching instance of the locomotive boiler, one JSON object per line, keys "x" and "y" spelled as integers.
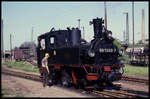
{"x": 74, "y": 61}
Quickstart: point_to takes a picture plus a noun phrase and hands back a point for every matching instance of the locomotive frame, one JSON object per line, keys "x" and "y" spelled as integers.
{"x": 72, "y": 62}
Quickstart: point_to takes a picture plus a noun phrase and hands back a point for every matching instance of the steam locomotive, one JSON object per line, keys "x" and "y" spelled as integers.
{"x": 74, "y": 61}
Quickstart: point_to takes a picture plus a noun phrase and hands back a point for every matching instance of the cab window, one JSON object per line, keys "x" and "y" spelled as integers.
{"x": 42, "y": 43}
{"x": 52, "y": 40}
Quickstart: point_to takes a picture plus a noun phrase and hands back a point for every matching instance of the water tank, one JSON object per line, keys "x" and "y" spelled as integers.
{"x": 75, "y": 36}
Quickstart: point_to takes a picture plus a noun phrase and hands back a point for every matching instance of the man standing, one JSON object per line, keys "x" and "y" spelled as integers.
{"x": 46, "y": 72}
{"x": 45, "y": 62}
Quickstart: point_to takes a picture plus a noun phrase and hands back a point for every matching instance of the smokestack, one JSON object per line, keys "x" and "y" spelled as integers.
{"x": 105, "y": 15}
{"x": 143, "y": 27}
{"x": 127, "y": 28}
{"x": 124, "y": 36}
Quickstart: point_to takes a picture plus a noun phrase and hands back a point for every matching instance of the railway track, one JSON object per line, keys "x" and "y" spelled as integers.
{"x": 126, "y": 78}
{"x": 21, "y": 74}
{"x": 104, "y": 93}
{"x": 114, "y": 94}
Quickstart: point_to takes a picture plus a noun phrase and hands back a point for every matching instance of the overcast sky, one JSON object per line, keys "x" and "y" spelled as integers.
{"x": 20, "y": 17}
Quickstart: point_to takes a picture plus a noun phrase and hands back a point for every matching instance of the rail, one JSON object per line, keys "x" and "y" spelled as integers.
{"x": 114, "y": 94}
{"x": 139, "y": 80}
{"x": 22, "y": 74}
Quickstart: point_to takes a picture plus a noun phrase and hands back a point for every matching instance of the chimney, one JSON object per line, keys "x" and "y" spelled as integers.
{"x": 105, "y": 15}
{"x": 2, "y": 41}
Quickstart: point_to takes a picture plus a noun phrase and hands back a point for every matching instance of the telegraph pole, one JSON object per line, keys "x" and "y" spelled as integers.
{"x": 32, "y": 35}
{"x": 143, "y": 27}
{"x": 79, "y": 24}
{"x": 32, "y": 42}
{"x": 133, "y": 26}
{"x": 124, "y": 36}
{"x": 105, "y": 15}
{"x": 10, "y": 47}
{"x": 83, "y": 32}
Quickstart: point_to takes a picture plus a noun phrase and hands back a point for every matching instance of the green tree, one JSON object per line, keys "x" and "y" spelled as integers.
{"x": 140, "y": 42}
{"x": 117, "y": 43}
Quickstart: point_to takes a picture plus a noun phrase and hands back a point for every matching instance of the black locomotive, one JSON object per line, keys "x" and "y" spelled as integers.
{"x": 74, "y": 61}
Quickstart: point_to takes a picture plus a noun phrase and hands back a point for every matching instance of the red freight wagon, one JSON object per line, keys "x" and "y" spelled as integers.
{"x": 18, "y": 55}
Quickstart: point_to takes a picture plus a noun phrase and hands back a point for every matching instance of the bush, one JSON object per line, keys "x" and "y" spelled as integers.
{"x": 124, "y": 58}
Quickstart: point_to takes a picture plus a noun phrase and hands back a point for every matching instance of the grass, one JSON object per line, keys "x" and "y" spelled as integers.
{"x": 136, "y": 70}
{"x": 129, "y": 69}
{"x": 9, "y": 92}
{"x": 21, "y": 66}
{"x": 6, "y": 91}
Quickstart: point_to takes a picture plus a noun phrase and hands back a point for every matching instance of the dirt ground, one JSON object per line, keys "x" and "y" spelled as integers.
{"x": 137, "y": 76}
{"x": 29, "y": 88}
{"x": 134, "y": 87}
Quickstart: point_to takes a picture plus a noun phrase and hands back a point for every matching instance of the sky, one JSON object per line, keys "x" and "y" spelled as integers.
{"x": 19, "y": 18}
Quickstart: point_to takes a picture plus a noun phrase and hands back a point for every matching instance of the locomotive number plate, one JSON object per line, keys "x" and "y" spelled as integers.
{"x": 107, "y": 50}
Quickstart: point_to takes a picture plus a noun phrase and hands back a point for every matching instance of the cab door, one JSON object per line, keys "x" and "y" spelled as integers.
{"x": 40, "y": 51}
{"x": 51, "y": 48}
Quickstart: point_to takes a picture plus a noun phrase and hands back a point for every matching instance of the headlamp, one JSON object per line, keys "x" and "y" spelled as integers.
{"x": 109, "y": 35}
{"x": 120, "y": 51}
{"x": 91, "y": 53}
